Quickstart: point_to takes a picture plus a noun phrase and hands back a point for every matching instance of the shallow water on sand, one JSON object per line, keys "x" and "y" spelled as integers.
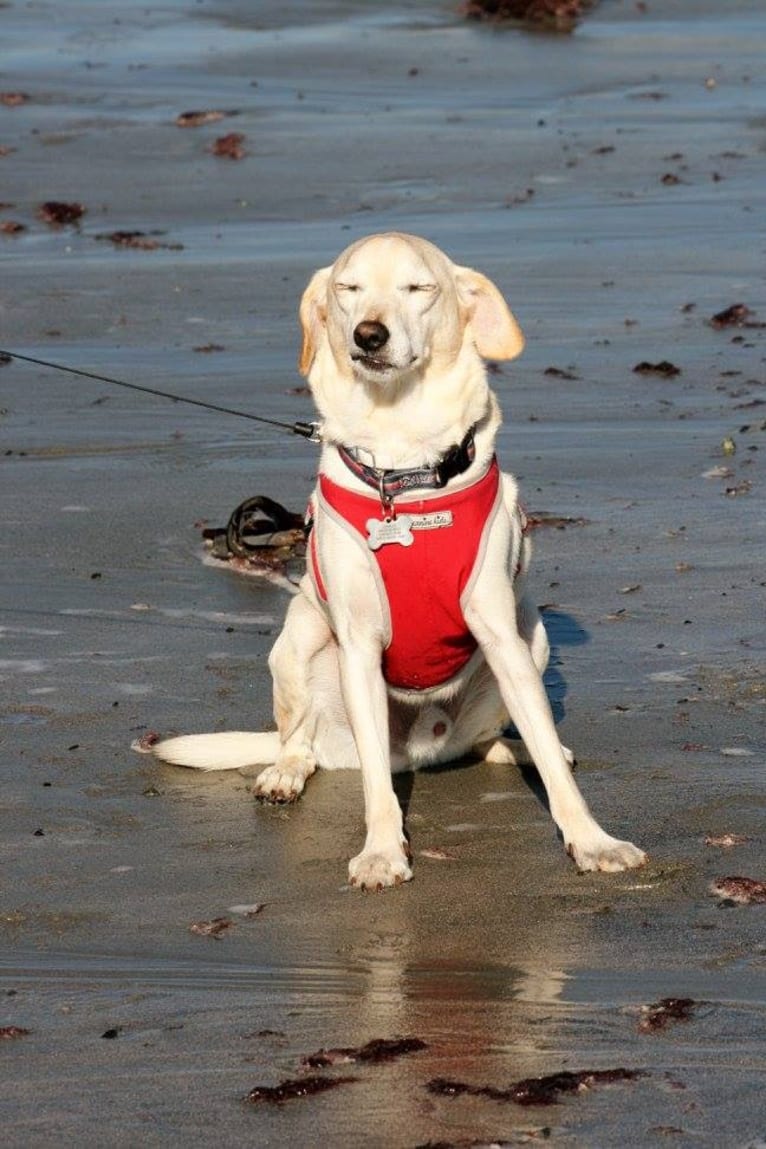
{"x": 612, "y": 183}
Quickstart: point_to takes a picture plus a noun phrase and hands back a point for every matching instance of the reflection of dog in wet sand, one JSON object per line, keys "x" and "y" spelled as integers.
{"x": 411, "y": 641}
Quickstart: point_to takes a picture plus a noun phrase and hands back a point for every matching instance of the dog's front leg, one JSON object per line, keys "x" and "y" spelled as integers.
{"x": 509, "y": 658}
{"x": 303, "y": 636}
{"x": 383, "y": 861}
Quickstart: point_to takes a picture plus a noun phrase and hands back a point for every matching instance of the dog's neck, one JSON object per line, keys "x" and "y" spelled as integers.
{"x": 415, "y": 426}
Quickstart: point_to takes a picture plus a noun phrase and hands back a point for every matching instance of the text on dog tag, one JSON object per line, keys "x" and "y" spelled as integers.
{"x": 380, "y": 532}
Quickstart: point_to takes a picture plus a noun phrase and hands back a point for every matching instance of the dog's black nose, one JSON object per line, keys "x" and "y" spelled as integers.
{"x": 370, "y": 335}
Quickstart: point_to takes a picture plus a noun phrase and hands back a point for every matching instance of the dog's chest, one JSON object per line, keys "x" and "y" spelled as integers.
{"x": 424, "y": 557}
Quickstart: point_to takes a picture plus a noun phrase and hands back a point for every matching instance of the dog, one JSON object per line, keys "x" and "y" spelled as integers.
{"x": 412, "y": 640}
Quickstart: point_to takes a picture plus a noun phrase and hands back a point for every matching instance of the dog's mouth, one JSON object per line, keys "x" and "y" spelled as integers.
{"x": 378, "y": 366}
{"x": 372, "y": 362}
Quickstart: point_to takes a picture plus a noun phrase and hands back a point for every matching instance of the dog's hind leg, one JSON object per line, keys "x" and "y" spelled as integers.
{"x": 483, "y": 715}
{"x": 504, "y": 751}
{"x": 302, "y": 639}
{"x": 530, "y": 626}
{"x": 532, "y": 630}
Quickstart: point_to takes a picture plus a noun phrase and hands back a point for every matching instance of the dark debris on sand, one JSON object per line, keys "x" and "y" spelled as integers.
{"x": 741, "y": 891}
{"x": 726, "y": 841}
{"x": 375, "y": 1051}
{"x": 484, "y": 1143}
{"x": 664, "y": 368}
{"x": 537, "y": 519}
{"x": 230, "y": 146}
{"x": 561, "y": 15}
{"x": 211, "y": 929}
{"x": 536, "y": 1090}
{"x": 293, "y": 1088}
{"x": 138, "y": 240}
{"x": 59, "y": 214}
{"x": 196, "y": 119}
{"x": 734, "y": 316}
{"x": 663, "y": 1012}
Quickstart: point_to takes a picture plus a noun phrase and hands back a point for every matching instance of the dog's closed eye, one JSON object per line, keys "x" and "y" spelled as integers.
{"x": 347, "y": 287}
{"x": 426, "y": 288}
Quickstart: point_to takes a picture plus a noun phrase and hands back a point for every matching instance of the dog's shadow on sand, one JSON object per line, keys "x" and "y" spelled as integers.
{"x": 563, "y": 630}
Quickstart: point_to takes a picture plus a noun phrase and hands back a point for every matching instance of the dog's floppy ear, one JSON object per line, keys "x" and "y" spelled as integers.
{"x": 497, "y": 334}
{"x": 312, "y": 316}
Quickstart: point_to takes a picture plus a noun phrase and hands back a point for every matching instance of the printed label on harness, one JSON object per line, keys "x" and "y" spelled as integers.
{"x": 432, "y": 522}
{"x": 383, "y": 531}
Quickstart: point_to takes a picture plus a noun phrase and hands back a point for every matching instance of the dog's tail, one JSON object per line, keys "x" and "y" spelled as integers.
{"x": 233, "y": 750}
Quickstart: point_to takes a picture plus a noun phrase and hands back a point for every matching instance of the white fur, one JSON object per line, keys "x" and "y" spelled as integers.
{"x": 406, "y": 403}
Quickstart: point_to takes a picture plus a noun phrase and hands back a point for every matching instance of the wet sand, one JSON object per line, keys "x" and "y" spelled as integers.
{"x": 612, "y": 183}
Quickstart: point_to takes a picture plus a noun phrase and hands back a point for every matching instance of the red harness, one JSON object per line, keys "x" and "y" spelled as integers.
{"x": 424, "y": 582}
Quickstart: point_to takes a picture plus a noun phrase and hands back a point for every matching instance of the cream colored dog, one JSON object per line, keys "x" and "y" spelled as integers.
{"x": 393, "y": 339}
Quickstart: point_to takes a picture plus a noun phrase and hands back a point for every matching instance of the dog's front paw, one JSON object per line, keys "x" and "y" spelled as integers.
{"x": 607, "y": 854}
{"x": 377, "y": 869}
{"x": 283, "y": 782}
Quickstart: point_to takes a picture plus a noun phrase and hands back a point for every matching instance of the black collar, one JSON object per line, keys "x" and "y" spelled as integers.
{"x": 390, "y": 483}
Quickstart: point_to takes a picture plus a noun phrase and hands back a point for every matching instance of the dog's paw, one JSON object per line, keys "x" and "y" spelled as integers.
{"x": 374, "y": 870}
{"x": 283, "y": 782}
{"x": 607, "y": 854}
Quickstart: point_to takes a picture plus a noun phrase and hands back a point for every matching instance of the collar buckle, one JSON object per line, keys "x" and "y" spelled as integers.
{"x": 456, "y": 460}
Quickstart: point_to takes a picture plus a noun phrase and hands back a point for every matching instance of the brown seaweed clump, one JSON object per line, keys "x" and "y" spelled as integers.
{"x": 139, "y": 240}
{"x": 211, "y": 929}
{"x": 560, "y": 15}
{"x": 294, "y": 1088}
{"x": 58, "y": 214}
{"x": 664, "y": 368}
{"x": 735, "y": 316}
{"x": 741, "y": 891}
{"x": 230, "y": 146}
{"x": 663, "y": 1012}
{"x": 378, "y": 1050}
{"x": 196, "y": 118}
{"x": 536, "y": 1090}
{"x": 726, "y": 841}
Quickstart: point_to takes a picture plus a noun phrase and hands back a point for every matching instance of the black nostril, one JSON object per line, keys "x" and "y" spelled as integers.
{"x": 370, "y": 335}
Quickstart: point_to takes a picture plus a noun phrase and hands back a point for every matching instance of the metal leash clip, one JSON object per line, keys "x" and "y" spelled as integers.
{"x": 311, "y": 431}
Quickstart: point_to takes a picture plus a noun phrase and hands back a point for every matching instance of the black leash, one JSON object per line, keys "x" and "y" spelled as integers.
{"x": 306, "y": 430}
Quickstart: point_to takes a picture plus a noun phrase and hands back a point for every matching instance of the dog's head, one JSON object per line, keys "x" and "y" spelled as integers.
{"x": 392, "y": 306}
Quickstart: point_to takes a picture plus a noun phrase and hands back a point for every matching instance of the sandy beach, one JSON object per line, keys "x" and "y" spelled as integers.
{"x": 613, "y": 184}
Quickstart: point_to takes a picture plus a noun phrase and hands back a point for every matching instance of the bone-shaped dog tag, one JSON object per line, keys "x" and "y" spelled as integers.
{"x": 380, "y": 532}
